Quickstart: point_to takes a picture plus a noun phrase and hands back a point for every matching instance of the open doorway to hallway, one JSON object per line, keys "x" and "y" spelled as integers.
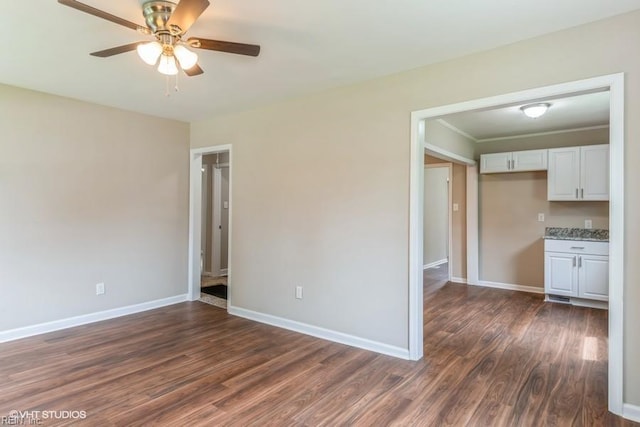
{"x": 214, "y": 230}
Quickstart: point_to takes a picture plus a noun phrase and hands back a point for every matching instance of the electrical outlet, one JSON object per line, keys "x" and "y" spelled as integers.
{"x": 100, "y": 289}
{"x": 540, "y": 217}
{"x": 456, "y": 207}
{"x": 298, "y": 292}
{"x": 588, "y": 224}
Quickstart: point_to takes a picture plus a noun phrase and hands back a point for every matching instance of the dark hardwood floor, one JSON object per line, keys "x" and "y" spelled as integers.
{"x": 492, "y": 358}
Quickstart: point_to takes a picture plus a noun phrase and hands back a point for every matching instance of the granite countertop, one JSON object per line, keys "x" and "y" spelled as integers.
{"x": 559, "y": 233}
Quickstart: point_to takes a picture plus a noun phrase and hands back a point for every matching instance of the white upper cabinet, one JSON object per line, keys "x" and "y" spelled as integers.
{"x": 516, "y": 161}
{"x": 578, "y": 173}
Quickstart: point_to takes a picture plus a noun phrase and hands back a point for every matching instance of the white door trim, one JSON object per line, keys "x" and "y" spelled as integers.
{"x": 195, "y": 217}
{"x": 615, "y": 84}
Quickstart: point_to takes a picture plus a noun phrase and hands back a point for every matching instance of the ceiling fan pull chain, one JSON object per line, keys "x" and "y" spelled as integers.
{"x": 166, "y": 87}
{"x": 176, "y": 86}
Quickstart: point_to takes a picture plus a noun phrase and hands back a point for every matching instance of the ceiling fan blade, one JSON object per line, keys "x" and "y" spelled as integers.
{"x": 116, "y": 50}
{"x": 194, "y": 71}
{"x": 101, "y": 14}
{"x": 222, "y": 46}
{"x": 186, "y": 14}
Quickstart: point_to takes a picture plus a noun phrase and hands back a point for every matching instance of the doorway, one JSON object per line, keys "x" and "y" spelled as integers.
{"x": 214, "y": 228}
{"x": 437, "y": 217}
{"x": 615, "y": 84}
{"x": 210, "y": 225}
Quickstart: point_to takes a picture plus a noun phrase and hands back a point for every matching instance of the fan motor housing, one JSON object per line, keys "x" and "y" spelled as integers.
{"x": 157, "y": 13}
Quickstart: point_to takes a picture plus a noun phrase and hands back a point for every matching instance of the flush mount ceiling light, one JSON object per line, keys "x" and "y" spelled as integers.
{"x": 535, "y": 110}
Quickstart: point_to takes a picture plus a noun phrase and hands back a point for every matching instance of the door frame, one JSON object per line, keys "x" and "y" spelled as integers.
{"x": 449, "y": 167}
{"x": 195, "y": 217}
{"x": 615, "y": 84}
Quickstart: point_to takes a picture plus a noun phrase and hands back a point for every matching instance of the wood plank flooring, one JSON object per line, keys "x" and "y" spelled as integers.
{"x": 492, "y": 358}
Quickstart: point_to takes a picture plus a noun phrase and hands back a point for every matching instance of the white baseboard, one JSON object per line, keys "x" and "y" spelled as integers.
{"x": 319, "y": 332}
{"x": 462, "y": 280}
{"x": 434, "y": 264}
{"x": 509, "y": 286}
{"x": 43, "y": 328}
{"x": 223, "y": 271}
{"x": 631, "y": 412}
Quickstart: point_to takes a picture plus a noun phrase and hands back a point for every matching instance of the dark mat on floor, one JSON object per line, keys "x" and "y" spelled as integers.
{"x": 219, "y": 291}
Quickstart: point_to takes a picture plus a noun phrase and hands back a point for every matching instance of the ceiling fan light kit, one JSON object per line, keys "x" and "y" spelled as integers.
{"x": 168, "y": 23}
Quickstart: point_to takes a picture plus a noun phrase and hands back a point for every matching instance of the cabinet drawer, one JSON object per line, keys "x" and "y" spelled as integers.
{"x": 577, "y": 246}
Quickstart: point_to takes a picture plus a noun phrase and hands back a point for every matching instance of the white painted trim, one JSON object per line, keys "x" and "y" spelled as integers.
{"x": 416, "y": 238}
{"x": 434, "y": 264}
{"x": 612, "y": 82}
{"x": 553, "y": 132}
{"x": 447, "y": 155}
{"x": 473, "y": 269}
{"x": 631, "y": 412}
{"x": 223, "y": 271}
{"x": 460, "y": 280}
{"x": 508, "y": 286}
{"x": 70, "y": 322}
{"x": 319, "y": 332}
{"x": 195, "y": 215}
{"x": 616, "y": 242}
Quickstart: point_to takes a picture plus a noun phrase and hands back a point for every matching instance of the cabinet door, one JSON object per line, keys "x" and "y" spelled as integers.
{"x": 529, "y": 160}
{"x": 563, "y": 178}
{"x": 497, "y": 162}
{"x": 560, "y": 273}
{"x": 594, "y": 172}
{"x": 593, "y": 277}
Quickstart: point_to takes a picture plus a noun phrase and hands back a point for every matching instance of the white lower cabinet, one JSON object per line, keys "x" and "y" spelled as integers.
{"x": 576, "y": 269}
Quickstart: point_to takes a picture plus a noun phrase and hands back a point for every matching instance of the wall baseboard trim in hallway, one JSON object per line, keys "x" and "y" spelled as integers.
{"x": 435, "y": 263}
{"x": 510, "y": 287}
{"x": 631, "y": 412}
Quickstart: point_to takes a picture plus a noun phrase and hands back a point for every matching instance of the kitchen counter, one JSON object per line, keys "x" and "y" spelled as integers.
{"x": 559, "y": 233}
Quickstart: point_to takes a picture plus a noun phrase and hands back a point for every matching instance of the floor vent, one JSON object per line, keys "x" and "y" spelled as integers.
{"x": 558, "y": 298}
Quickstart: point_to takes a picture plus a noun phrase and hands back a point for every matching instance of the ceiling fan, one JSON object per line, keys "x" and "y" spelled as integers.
{"x": 167, "y": 22}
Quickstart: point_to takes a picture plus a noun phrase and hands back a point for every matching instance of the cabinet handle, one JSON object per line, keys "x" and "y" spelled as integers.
{"x": 577, "y": 247}
{"x": 576, "y": 193}
{"x": 574, "y": 260}
{"x": 508, "y": 164}
{"x": 579, "y": 262}
{"x": 582, "y": 193}
{"x": 513, "y": 164}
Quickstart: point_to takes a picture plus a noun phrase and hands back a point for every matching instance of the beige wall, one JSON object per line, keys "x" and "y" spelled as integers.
{"x": 511, "y": 245}
{"x": 340, "y": 228}
{"x": 441, "y": 136}
{"x": 88, "y": 194}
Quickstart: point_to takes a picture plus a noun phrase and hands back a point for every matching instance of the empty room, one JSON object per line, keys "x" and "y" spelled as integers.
{"x": 339, "y": 213}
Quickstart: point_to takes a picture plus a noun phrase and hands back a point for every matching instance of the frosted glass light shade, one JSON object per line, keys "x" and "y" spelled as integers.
{"x": 167, "y": 65}
{"x": 535, "y": 110}
{"x": 149, "y": 52}
{"x": 186, "y": 58}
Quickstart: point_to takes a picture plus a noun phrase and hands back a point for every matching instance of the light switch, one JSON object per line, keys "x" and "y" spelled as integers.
{"x": 455, "y": 207}
{"x": 588, "y": 224}
{"x": 225, "y": 204}
{"x": 540, "y": 217}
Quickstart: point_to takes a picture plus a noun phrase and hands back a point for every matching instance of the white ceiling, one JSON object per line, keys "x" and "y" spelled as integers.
{"x": 566, "y": 113}
{"x": 307, "y": 46}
